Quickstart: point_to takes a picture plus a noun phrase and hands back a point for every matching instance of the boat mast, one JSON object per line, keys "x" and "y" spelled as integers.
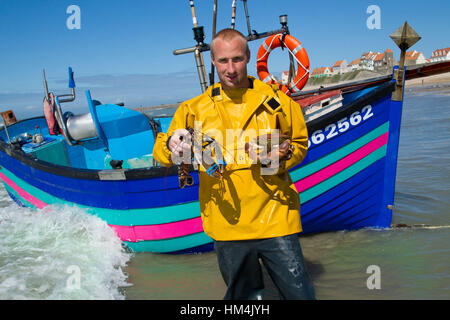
{"x": 211, "y": 74}
{"x": 201, "y": 46}
{"x": 199, "y": 36}
{"x": 247, "y": 17}
{"x": 233, "y": 14}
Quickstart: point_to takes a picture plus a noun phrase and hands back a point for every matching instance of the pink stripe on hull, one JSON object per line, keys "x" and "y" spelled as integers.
{"x": 159, "y": 231}
{"x": 25, "y": 195}
{"x": 340, "y": 165}
{"x": 126, "y": 233}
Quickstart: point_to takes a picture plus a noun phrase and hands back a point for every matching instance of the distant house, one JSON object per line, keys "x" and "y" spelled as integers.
{"x": 384, "y": 61}
{"x": 354, "y": 65}
{"x": 322, "y": 72}
{"x": 378, "y": 61}
{"x": 284, "y": 77}
{"x": 367, "y": 60}
{"x": 414, "y": 57}
{"x": 440, "y": 55}
{"x": 389, "y": 60}
{"x": 340, "y": 67}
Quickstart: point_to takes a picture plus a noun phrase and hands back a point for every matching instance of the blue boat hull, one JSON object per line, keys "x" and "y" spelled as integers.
{"x": 346, "y": 181}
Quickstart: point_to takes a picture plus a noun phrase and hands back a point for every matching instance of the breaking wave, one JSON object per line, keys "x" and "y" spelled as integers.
{"x": 58, "y": 253}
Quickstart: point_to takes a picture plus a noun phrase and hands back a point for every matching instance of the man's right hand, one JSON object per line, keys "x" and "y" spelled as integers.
{"x": 180, "y": 142}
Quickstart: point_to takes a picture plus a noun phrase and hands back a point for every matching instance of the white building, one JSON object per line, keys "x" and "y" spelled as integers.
{"x": 284, "y": 77}
{"x": 367, "y": 60}
{"x": 354, "y": 65}
{"x": 440, "y": 55}
{"x": 384, "y": 61}
{"x": 322, "y": 72}
{"x": 340, "y": 67}
{"x": 414, "y": 57}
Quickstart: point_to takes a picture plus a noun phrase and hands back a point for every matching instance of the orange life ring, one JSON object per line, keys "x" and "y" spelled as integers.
{"x": 300, "y": 56}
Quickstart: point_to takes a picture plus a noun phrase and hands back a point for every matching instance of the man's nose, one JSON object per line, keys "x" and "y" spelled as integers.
{"x": 231, "y": 68}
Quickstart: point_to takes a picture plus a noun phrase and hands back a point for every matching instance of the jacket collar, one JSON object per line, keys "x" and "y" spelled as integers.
{"x": 260, "y": 94}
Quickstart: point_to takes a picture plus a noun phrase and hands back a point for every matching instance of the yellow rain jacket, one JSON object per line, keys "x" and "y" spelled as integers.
{"x": 244, "y": 204}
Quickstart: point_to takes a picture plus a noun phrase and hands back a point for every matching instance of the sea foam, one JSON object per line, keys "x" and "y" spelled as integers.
{"x": 58, "y": 252}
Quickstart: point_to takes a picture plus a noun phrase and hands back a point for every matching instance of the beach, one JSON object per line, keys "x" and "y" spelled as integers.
{"x": 439, "y": 79}
{"x": 424, "y": 83}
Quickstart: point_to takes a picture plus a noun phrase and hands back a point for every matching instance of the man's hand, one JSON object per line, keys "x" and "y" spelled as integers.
{"x": 180, "y": 142}
{"x": 279, "y": 153}
{"x": 276, "y": 154}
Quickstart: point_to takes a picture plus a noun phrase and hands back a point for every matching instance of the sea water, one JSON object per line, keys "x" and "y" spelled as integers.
{"x": 64, "y": 253}
{"x": 58, "y": 253}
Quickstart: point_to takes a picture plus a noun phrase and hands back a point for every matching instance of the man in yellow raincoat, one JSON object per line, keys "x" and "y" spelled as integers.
{"x": 253, "y": 211}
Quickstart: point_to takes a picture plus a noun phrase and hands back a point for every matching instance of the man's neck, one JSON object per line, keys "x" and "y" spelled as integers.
{"x": 247, "y": 83}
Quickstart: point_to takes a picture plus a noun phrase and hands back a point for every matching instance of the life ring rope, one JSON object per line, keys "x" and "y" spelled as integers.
{"x": 268, "y": 49}
{"x": 296, "y": 50}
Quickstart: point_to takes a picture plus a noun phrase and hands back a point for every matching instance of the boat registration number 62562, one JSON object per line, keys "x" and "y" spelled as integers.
{"x": 334, "y": 129}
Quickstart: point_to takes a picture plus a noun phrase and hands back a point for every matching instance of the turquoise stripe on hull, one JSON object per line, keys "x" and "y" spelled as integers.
{"x": 170, "y": 245}
{"x": 15, "y": 194}
{"x": 321, "y": 163}
{"x": 131, "y": 217}
{"x": 343, "y": 175}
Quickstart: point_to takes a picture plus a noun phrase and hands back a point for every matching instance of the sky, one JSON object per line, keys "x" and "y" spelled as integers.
{"x": 122, "y": 51}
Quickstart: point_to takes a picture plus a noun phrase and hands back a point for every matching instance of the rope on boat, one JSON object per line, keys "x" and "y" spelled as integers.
{"x": 211, "y": 75}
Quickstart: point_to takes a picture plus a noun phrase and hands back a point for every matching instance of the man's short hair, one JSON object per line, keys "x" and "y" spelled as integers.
{"x": 228, "y": 35}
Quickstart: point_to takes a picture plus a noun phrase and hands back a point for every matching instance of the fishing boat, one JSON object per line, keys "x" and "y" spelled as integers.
{"x": 102, "y": 160}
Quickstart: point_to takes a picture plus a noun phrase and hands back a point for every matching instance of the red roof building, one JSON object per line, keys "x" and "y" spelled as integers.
{"x": 340, "y": 67}
{"x": 440, "y": 55}
{"x": 414, "y": 57}
{"x": 321, "y": 72}
{"x": 384, "y": 61}
{"x": 354, "y": 65}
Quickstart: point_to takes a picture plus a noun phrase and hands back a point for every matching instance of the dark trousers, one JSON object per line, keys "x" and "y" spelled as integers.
{"x": 283, "y": 259}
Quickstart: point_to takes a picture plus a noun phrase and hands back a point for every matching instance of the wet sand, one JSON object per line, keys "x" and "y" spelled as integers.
{"x": 438, "y": 79}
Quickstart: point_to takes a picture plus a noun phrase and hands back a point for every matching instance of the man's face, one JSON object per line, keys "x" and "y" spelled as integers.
{"x": 230, "y": 60}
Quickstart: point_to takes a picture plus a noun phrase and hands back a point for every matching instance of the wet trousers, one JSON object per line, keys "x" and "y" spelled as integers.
{"x": 281, "y": 256}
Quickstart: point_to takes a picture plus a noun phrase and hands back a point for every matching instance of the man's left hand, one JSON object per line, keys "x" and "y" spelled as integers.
{"x": 279, "y": 153}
